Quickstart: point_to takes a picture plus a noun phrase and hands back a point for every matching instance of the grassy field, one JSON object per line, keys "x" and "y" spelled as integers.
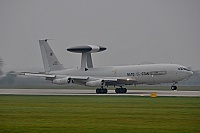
{"x": 89, "y": 114}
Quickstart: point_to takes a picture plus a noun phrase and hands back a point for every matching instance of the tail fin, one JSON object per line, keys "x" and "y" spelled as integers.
{"x": 50, "y": 61}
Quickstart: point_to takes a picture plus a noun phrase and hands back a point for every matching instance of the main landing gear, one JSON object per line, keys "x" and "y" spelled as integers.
{"x": 121, "y": 90}
{"x": 101, "y": 91}
{"x": 105, "y": 91}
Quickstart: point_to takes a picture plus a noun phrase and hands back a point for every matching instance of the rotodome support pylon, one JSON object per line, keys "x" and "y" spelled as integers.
{"x": 86, "y": 57}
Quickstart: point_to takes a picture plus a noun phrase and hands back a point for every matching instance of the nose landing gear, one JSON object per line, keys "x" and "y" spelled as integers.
{"x": 173, "y": 87}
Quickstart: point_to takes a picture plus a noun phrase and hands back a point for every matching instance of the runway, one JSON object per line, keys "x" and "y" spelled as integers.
{"x": 93, "y": 92}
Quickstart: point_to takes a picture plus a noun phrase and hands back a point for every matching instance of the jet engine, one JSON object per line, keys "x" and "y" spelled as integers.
{"x": 95, "y": 83}
{"x": 61, "y": 81}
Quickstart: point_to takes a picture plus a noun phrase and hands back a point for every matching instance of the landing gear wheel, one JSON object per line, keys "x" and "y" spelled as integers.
{"x": 120, "y": 90}
{"x": 173, "y": 87}
{"x": 105, "y": 91}
{"x": 125, "y": 90}
{"x": 98, "y": 91}
{"x": 101, "y": 91}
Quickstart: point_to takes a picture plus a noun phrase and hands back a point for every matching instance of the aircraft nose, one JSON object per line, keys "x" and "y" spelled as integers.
{"x": 189, "y": 73}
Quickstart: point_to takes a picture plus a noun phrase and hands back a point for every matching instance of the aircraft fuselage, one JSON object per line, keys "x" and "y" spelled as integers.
{"x": 144, "y": 74}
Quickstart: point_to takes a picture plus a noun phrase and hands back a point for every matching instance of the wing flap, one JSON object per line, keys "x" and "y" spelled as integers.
{"x": 120, "y": 81}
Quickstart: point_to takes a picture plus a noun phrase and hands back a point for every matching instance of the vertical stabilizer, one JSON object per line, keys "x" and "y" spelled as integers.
{"x": 50, "y": 61}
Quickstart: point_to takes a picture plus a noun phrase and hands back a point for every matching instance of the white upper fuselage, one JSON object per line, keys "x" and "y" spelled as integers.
{"x": 143, "y": 74}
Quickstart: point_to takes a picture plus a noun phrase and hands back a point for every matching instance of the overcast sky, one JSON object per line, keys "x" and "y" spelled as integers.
{"x": 134, "y": 31}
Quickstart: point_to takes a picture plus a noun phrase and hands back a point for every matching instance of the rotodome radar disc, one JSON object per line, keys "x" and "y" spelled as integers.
{"x": 86, "y": 49}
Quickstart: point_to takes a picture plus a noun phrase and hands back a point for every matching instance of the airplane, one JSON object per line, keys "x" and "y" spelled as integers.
{"x": 87, "y": 75}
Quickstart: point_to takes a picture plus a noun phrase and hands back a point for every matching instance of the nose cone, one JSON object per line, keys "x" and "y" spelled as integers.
{"x": 190, "y": 73}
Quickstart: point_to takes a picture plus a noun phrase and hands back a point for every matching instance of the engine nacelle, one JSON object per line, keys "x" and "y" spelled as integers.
{"x": 61, "y": 81}
{"x": 96, "y": 83}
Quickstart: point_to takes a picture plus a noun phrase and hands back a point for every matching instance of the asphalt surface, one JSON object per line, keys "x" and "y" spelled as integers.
{"x": 93, "y": 92}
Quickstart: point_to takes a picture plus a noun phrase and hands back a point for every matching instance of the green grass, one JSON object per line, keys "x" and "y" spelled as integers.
{"x": 89, "y": 114}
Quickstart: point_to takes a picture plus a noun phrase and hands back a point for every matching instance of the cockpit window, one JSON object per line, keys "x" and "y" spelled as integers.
{"x": 183, "y": 68}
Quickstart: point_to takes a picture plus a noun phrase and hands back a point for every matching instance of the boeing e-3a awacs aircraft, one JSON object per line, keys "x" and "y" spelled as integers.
{"x": 102, "y": 77}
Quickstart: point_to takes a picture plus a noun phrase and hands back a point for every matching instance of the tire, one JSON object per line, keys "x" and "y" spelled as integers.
{"x": 117, "y": 90}
{"x": 98, "y": 91}
{"x": 101, "y": 91}
{"x": 120, "y": 90}
{"x": 174, "y": 87}
{"x": 105, "y": 91}
{"x": 125, "y": 90}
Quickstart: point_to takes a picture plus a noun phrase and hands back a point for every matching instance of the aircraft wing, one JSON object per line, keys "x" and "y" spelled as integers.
{"x": 40, "y": 74}
{"x": 96, "y": 81}
{"x": 54, "y": 76}
{"x": 84, "y": 80}
{"x": 108, "y": 81}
